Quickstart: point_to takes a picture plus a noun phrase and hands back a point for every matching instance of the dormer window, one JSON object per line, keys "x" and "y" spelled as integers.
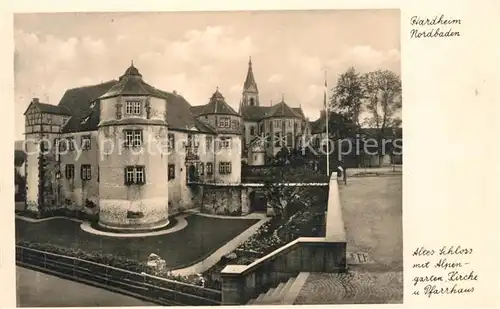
{"x": 133, "y": 108}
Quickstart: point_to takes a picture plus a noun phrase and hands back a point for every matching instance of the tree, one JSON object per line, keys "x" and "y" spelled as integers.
{"x": 348, "y": 95}
{"x": 383, "y": 102}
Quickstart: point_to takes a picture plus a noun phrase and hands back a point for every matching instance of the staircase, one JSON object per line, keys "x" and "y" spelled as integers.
{"x": 284, "y": 294}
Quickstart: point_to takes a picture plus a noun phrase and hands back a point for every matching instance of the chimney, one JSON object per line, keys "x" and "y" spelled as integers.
{"x": 36, "y": 100}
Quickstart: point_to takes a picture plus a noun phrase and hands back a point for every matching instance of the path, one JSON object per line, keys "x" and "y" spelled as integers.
{"x": 36, "y": 289}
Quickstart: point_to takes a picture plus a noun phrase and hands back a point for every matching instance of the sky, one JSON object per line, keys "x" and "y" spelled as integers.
{"x": 193, "y": 53}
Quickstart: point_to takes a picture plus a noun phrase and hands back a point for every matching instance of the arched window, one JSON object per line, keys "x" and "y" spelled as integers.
{"x": 252, "y": 101}
{"x": 252, "y": 131}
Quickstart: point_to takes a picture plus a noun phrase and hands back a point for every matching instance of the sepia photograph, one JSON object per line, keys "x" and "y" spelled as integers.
{"x": 208, "y": 158}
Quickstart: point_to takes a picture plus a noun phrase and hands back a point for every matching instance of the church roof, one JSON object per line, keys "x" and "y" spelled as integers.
{"x": 254, "y": 113}
{"x": 217, "y": 105}
{"x": 250, "y": 84}
{"x": 281, "y": 110}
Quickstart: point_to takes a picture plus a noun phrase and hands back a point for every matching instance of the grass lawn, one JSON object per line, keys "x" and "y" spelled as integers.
{"x": 199, "y": 239}
{"x": 372, "y": 210}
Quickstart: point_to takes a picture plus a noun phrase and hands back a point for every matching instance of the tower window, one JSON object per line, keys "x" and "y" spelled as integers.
{"x": 135, "y": 175}
{"x": 252, "y": 101}
{"x": 224, "y": 122}
{"x": 133, "y": 138}
{"x": 225, "y": 142}
{"x": 252, "y": 131}
{"x": 133, "y": 108}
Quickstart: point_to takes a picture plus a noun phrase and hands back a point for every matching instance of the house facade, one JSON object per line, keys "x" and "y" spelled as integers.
{"x": 128, "y": 151}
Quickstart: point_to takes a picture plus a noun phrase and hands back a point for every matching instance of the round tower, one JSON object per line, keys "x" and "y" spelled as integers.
{"x": 133, "y": 163}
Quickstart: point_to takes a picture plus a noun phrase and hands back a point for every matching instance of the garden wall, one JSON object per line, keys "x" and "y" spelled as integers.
{"x": 222, "y": 200}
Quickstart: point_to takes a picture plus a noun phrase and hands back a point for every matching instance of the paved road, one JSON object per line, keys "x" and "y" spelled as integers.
{"x": 36, "y": 289}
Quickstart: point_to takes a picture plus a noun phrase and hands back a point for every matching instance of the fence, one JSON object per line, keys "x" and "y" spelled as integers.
{"x": 154, "y": 289}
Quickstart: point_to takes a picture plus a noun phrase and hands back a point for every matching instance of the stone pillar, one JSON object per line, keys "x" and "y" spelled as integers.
{"x": 233, "y": 285}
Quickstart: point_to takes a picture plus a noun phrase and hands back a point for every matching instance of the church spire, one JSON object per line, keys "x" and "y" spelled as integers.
{"x": 250, "y": 84}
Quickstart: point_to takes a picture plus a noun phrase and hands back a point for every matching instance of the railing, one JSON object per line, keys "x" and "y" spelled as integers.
{"x": 141, "y": 285}
{"x": 286, "y": 173}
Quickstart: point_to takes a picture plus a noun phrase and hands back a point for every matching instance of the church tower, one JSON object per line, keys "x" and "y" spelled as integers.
{"x": 250, "y": 91}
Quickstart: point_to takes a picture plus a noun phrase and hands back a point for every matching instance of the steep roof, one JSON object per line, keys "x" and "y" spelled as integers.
{"x": 197, "y": 109}
{"x": 86, "y": 118}
{"x": 299, "y": 111}
{"x": 281, "y": 110}
{"x": 250, "y": 84}
{"x": 218, "y": 105}
{"x": 254, "y": 113}
{"x": 78, "y": 100}
{"x": 48, "y": 108}
{"x": 130, "y": 83}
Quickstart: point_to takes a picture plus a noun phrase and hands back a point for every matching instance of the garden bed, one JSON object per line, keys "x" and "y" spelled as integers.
{"x": 275, "y": 233}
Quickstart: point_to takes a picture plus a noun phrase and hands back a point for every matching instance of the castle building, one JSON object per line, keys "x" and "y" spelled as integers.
{"x": 128, "y": 151}
{"x": 267, "y": 129}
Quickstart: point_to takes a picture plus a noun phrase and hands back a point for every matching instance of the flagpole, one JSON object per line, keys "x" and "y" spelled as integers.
{"x": 326, "y": 123}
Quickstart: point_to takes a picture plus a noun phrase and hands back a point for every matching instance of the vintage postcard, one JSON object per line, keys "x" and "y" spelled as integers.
{"x": 251, "y": 155}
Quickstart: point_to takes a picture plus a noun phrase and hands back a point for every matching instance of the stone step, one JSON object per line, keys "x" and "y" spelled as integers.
{"x": 295, "y": 288}
{"x": 269, "y": 292}
{"x": 259, "y": 299}
{"x": 277, "y": 291}
{"x": 286, "y": 288}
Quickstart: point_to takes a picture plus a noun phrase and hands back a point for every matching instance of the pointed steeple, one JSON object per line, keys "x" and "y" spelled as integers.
{"x": 250, "y": 84}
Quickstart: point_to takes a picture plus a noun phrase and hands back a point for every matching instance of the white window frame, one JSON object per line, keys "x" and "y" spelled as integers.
{"x": 135, "y": 175}
{"x": 133, "y": 138}
{"x": 133, "y": 108}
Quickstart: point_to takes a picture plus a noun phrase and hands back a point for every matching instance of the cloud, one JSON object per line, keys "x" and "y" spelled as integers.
{"x": 192, "y": 58}
{"x": 275, "y": 78}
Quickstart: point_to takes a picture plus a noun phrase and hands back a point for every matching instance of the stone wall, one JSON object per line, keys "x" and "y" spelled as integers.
{"x": 222, "y": 200}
